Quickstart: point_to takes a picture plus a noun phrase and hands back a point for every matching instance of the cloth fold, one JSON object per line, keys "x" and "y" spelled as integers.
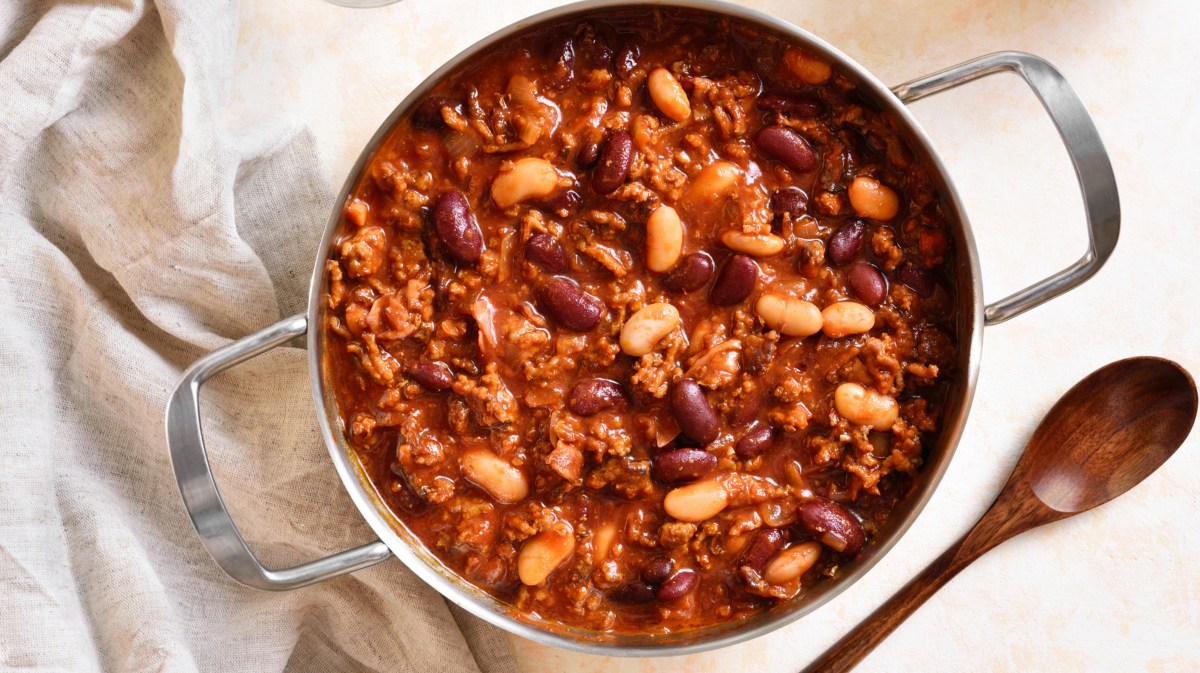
{"x": 142, "y": 228}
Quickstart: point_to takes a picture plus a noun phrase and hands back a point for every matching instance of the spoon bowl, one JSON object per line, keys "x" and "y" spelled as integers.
{"x": 1103, "y": 437}
{"x": 1137, "y": 411}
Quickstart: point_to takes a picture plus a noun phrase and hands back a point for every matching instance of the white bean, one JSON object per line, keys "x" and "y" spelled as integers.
{"x": 792, "y": 562}
{"x": 528, "y": 178}
{"x": 543, "y": 553}
{"x": 664, "y": 239}
{"x": 845, "y": 318}
{"x": 502, "y": 481}
{"x": 697, "y": 501}
{"x": 644, "y": 329}
{"x": 866, "y": 407}
{"x": 668, "y": 95}
{"x": 715, "y": 181}
{"x": 755, "y": 245}
{"x": 871, "y": 198}
{"x": 789, "y": 315}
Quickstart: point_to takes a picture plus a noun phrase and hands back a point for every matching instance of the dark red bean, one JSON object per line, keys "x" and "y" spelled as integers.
{"x": 429, "y": 113}
{"x": 456, "y": 227}
{"x": 693, "y": 413}
{"x": 756, "y": 440}
{"x": 786, "y": 145}
{"x": 833, "y": 525}
{"x": 844, "y": 244}
{"x": 544, "y": 250}
{"x": 683, "y": 465}
{"x": 588, "y": 152}
{"x": 568, "y": 305}
{"x": 791, "y": 106}
{"x": 765, "y": 543}
{"x": 918, "y": 278}
{"x": 691, "y": 273}
{"x": 867, "y": 283}
{"x": 681, "y": 584}
{"x": 591, "y": 396}
{"x": 634, "y": 593}
{"x": 657, "y": 569}
{"x": 627, "y": 59}
{"x": 747, "y": 410}
{"x": 432, "y": 376}
{"x": 596, "y": 52}
{"x": 735, "y": 282}
{"x": 790, "y": 200}
{"x": 565, "y": 204}
{"x": 562, "y": 53}
{"x": 612, "y": 166}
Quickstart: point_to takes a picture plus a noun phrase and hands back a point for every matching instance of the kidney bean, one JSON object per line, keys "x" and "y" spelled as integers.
{"x": 844, "y": 244}
{"x": 691, "y": 274}
{"x": 597, "y": 53}
{"x": 544, "y": 250}
{"x": 735, "y": 282}
{"x": 591, "y": 396}
{"x": 568, "y": 305}
{"x": 588, "y": 152}
{"x": 867, "y": 283}
{"x": 790, "y": 200}
{"x": 657, "y": 569}
{"x": 791, "y": 106}
{"x": 433, "y": 376}
{"x": 765, "y": 543}
{"x": 627, "y": 59}
{"x": 612, "y": 166}
{"x": 693, "y": 413}
{"x": 634, "y": 593}
{"x": 456, "y": 227}
{"x": 756, "y": 440}
{"x": 681, "y": 584}
{"x": 565, "y": 204}
{"x": 429, "y": 113}
{"x": 747, "y": 411}
{"x": 918, "y": 278}
{"x": 562, "y": 53}
{"x": 787, "y": 146}
{"x": 683, "y": 465}
{"x": 835, "y": 527}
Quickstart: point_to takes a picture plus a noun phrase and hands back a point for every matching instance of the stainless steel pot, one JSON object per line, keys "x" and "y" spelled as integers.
{"x": 222, "y": 540}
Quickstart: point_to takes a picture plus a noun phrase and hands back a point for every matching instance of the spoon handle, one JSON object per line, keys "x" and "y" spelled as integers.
{"x": 854, "y": 646}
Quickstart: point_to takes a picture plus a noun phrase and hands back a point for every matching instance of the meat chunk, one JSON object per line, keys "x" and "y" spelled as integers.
{"x": 567, "y": 462}
{"x": 365, "y": 252}
{"x": 676, "y": 533}
{"x": 489, "y": 399}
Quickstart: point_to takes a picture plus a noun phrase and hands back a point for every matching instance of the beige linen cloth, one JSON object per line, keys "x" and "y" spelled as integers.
{"x": 141, "y": 228}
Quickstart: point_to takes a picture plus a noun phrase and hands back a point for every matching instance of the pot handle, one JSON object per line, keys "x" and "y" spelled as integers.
{"x": 1100, "y": 203}
{"x": 200, "y": 495}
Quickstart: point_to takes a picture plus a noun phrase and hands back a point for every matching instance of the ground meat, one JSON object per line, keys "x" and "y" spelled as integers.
{"x": 488, "y": 398}
{"x": 364, "y": 253}
{"x": 719, "y": 366}
{"x": 676, "y": 534}
{"x": 654, "y": 372}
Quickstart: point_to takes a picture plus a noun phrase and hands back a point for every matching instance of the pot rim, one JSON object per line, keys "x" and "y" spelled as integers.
{"x": 391, "y": 531}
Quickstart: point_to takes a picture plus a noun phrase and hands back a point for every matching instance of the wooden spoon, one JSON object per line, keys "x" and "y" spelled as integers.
{"x": 1103, "y": 437}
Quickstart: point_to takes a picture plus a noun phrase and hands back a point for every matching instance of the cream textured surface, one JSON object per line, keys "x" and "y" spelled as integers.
{"x": 1114, "y": 590}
